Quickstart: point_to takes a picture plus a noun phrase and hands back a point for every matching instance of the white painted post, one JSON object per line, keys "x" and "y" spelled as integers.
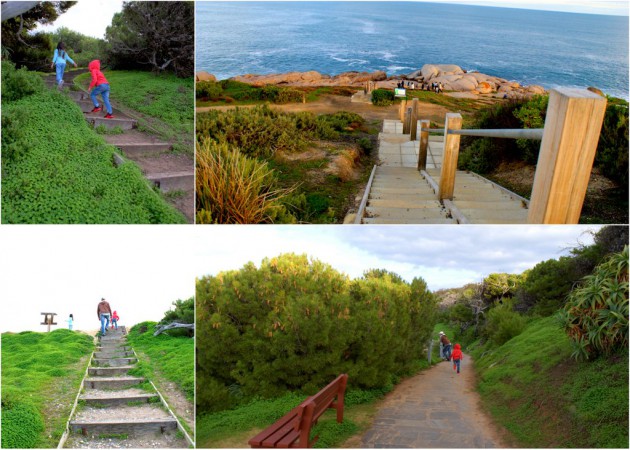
{"x": 572, "y": 128}
{"x": 451, "y": 154}
{"x": 424, "y": 145}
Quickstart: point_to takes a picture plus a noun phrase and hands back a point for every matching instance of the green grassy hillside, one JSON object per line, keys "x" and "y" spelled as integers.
{"x": 41, "y": 374}
{"x": 546, "y": 399}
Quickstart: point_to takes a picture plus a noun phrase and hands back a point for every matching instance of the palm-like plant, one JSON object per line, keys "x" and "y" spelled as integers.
{"x": 596, "y": 313}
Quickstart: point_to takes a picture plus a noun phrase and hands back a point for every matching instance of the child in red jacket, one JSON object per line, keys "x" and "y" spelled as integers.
{"x": 457, "y": 356}
{"x": 101, "y": 86}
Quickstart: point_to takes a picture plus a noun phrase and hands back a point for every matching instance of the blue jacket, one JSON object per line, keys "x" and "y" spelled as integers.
{"x": 61, "y": 58}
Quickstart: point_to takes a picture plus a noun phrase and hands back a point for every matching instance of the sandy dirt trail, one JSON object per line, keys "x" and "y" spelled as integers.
{"x": 437, "y": 408}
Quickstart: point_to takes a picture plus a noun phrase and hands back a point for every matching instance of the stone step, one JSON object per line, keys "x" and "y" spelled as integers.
{"x": 108, "y": 371}
{"x": 173, "y": 181}
{"x": 410, "y": 195}
{"x": 123, "y": 419}
{"x": 498, "y": 216}
{"x": 114, "y": 362}
{"x": 78, "y": 95}
{"x": 123, "y": 123}
{"x": 129, "y": 426}
{"x": 396, "y": 190}
{"x": 493, "y": 205}
{"x": 112, "y": 382}
{"x": 112, "y": 354}
{"x": 114, "y": 399}
{"x": 134, "y": 143}
{"x": 109, "y": 347}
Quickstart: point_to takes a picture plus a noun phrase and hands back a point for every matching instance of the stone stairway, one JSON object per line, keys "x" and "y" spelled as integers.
{"x": 400, "y": 194}
{"x": 116, "y": 409}
{"x": 170, "y": 172}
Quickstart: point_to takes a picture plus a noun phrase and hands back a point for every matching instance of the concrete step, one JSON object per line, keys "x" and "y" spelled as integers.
{"x": 396, "y": 221}
{"x": 493, "y": 205}
{"x": 108, "y": 371}
{"x": 173, "y": 181}
{"x": 410, "y": 203}
{"x": 112, "y": 382}
{"x": 112, "y": 354}
{"x": 114, "y": 362}
{"x": 109, "y": 347}
{"x": 134, "y": 143}
{"x": 406, "y": 215}
{"x": 78, "y": 96}
{"x": 131, "y": 420}
{"x": 114, "y": 399}
{"x": 396, "y": 190}
{"x": 502, "y": 216}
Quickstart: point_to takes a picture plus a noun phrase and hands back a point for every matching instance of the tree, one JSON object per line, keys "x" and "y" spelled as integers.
{"x": 154, "y": 35}
{"x": 18, "y": 44}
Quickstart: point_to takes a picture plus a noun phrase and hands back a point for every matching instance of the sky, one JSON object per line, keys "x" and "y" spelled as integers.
{"x": 140, "y": 270}
{"x": 444, "y": 256}
{"x": 88, "y": 17}
{"x": 610, "y": 7}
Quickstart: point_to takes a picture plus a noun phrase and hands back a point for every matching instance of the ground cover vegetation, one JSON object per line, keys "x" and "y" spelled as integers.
{"x": 269, "y": 336}
{"x": 551, "y": 345}
{"x": 258, "y": 165}
{"x": 230, "y": 92}
{"x": 488, "y": 156}
{"x": 55, "y": 169}
{"x": 41, "y": 373}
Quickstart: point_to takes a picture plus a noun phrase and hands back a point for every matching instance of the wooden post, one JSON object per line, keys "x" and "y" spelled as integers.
{"x": 414, "y": 120}
{"x": 49, "y": 319}
{"x": 424, "y": 145}
{"x": 451, "y": 154}
{"x": 572, "y": 127}
{"x": 401, "y": 111}
{"x": 407, "y": 122}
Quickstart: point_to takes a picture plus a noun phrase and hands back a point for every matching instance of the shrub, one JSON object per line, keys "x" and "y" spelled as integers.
{"x": 208, "y": 89}
{"x": 17, "y": 84}
{"x": 14, "y": 142}
{"x": 502, "y": 324}
{"x": 612, "y": 150}
{"x": 382, "y": 97}
{"x": 596, "y": 314}
{"x": 232, "y": 188}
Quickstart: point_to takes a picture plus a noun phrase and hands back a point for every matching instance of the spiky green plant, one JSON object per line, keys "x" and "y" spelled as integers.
{"x": 232, "y": 188}
{"x": 596, "y": 314}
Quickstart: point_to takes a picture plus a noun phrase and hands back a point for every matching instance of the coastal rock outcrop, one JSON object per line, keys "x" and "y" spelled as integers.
{"x": 312, "y": 78}
{"x": 204, "y": 76}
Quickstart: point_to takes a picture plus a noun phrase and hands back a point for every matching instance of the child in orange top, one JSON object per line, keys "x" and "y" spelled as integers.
{"x": 457, "y": 356}
{"x": 101, "y": 87}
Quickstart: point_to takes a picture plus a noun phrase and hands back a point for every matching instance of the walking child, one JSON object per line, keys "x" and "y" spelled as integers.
{"x": 70, "y": 322}
{"x": 115, "y": 320}
{"x": 457, "y": 357}
{"x": 60, "y": 56}
{"x": 101, "y": 86}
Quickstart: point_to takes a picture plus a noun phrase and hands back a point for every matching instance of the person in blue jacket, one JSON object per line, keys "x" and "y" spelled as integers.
{"x": 59, "y": 58}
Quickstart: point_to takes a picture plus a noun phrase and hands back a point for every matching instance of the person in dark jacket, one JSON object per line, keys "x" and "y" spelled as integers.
{"x": 446, "y": 346}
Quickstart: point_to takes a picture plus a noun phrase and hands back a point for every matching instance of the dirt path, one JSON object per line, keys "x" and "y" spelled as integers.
{"x": 437, "y": 408}
{"x": 328, "y": 104}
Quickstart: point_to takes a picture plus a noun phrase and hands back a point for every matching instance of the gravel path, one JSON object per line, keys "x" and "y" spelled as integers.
{"x": 437, "y": 408}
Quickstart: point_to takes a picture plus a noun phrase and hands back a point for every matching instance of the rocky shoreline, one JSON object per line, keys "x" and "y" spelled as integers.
{"x": 452, "y": 77}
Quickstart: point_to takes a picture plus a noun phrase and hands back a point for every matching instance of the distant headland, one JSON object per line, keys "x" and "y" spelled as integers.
{"x": 452, "y": 78}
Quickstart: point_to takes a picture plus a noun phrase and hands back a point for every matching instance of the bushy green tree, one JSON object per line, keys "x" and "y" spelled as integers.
{"x": 183, "y": 312}
{"x": 158, "y": 36}
{"x": 295, "y": 324}
{"x": 503, "y": 323}
{"x": 383, "y": 97}
{"x": 27, "y": 49}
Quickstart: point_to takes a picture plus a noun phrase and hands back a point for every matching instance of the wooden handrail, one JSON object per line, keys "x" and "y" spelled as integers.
{"x": 515, "y": 133}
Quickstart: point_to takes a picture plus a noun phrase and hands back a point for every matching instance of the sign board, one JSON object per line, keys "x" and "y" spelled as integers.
{"x": 399, "y": 92}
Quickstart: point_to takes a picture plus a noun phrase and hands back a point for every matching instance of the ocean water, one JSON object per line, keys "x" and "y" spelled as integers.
{"x": 532, "y": 47}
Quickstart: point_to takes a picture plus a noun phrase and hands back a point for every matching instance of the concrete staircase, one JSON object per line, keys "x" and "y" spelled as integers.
{"x": 169, "y": 172}
{"x": 116, "y": 409}
{"x": 400, "y": 194}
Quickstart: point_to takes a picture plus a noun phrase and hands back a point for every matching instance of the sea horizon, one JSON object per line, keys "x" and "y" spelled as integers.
{"x": 546, "y": 48}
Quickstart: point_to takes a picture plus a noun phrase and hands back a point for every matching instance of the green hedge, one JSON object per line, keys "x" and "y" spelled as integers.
{"x": 383, "y": 97}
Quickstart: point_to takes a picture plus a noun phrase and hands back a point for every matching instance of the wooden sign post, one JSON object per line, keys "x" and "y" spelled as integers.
{"x": 49, "y": 319}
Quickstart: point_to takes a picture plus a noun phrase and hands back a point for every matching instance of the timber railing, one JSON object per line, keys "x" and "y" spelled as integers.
{"x": 567, "y": 151}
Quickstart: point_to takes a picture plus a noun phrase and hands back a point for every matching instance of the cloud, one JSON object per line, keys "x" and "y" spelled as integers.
{"x": 90, "y": 18}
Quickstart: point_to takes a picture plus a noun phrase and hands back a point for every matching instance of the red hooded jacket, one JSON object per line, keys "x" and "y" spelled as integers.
{"x": 457, "y": 352}
{"x": 97, "y": 75}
